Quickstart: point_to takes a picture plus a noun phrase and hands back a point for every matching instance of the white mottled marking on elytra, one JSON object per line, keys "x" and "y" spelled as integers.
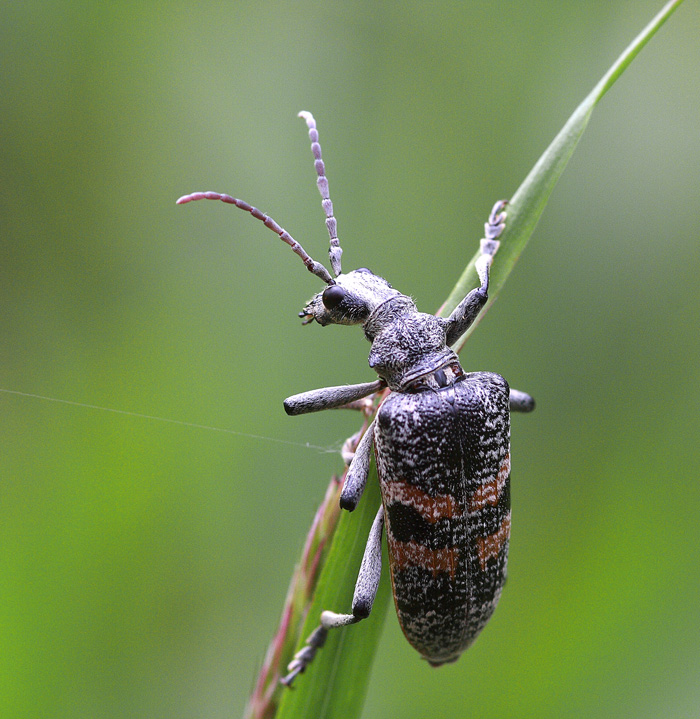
{"x": 490, "y": 491}
{"x": 489, "y": 547}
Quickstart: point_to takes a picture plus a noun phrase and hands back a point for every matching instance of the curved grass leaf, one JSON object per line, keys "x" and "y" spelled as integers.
{"x": 528, "y": 202}
{"x": 335, "y": 684}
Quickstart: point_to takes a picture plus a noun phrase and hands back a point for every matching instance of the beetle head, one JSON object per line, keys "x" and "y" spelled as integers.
{"x": 349, "y": 299}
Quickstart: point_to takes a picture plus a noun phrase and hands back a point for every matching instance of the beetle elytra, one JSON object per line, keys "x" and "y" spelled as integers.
{"x": 441, "y": 439}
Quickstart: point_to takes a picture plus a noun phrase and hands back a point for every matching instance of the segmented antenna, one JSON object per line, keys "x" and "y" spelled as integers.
{"x": 335, "y": 251}
{"x": 311, "y": 265}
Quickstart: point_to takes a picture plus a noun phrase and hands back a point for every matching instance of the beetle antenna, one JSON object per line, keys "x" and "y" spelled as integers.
{"x": 312, "y": 266}
{"x": 335, "y": 250}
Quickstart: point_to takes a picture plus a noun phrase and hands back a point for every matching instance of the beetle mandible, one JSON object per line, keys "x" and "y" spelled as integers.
{"x": 441, "y": 440}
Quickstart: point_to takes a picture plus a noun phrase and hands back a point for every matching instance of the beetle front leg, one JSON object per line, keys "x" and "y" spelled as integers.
{"x": 330, "y": 397}
{"x": 362, "y": 601}
{"x": 468, "y": 309}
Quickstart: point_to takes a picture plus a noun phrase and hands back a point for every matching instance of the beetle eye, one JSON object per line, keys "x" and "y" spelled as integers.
{"x": 363, "y": 269}
{"x": 332, "y": 296}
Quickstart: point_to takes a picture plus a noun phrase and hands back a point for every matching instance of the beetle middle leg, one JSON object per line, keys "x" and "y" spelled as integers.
{"x": 365, "y": 592}
{"x": 520, "y": 401}
{"x": 356, "y": 477}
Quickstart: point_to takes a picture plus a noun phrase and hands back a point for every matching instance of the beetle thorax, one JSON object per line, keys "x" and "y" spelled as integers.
{"x": 406, "y": 344}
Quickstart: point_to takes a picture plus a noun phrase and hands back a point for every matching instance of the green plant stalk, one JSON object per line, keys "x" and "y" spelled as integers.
{"x": 335, "y": 685}
{"x": 265, "y": 698}
{"x": 345, "y": 660}
{"x": 529, "y": 200}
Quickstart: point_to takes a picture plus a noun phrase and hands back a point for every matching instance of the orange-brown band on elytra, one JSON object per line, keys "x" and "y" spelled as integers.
{"x": 430, "y": 508}
{"x": 412, "y": 554}
{"x": 490, "y": 492}
{"x": 489, "y": 547}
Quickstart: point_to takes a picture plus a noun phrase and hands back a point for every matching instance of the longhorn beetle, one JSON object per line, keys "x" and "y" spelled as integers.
{"x": 441, "y": 440}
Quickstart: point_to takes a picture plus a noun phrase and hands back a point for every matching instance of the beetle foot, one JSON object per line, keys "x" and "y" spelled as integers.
{"x": 305, "y": 655}
{"x": 493, "y": 228}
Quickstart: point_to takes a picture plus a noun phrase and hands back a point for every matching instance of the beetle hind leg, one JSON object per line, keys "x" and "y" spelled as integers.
{"x": 362, "y": 601}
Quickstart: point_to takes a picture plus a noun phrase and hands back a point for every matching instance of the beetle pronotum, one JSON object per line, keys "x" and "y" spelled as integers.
{"x": 441, "y": 440}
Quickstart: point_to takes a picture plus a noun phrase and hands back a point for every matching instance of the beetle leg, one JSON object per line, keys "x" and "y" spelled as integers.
{"x": 363, "y": 598}
{"x": 330, "y": 397}
{"x": 468, "y": 309}
{"x": 356, "y": 477}
{"x": 521, "y": 401}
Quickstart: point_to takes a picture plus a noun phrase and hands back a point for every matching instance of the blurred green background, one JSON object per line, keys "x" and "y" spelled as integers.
{"x": 143, "y": 564}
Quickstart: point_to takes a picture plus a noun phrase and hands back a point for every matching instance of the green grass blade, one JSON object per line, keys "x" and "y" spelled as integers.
{"x": 528, "y": 202}
{"x": 335, "y": 684}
